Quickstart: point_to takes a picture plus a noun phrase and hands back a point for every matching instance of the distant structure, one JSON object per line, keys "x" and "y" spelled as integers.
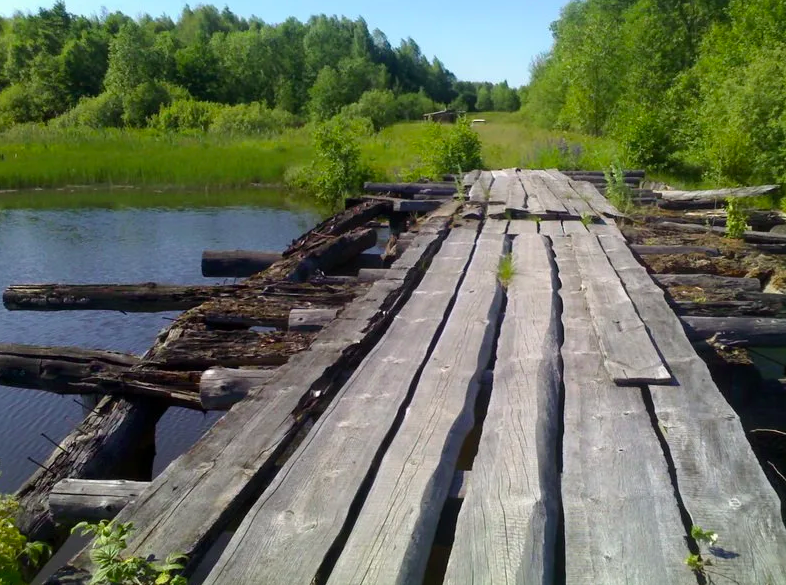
{"x": 444, "y": 116}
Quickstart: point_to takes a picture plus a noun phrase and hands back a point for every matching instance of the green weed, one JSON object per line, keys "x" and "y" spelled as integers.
{"x": 736, "y": 223}
{"x": 506, "y": 271}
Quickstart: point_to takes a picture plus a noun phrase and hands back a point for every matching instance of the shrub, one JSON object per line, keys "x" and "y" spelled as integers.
{"x": 449, "y": 149}
{"x": 736, "y": 223}
{"x": 377, "y": 105}
{"x": 412, "y": 106}
{"x": 186, "y": 115}
{"x": 103, "y": 111}
{"x": 143, "y": 102}
{"x": 16, "y": 106}
{"x": 14, "y": 546}
{"x": 253, "y": 118}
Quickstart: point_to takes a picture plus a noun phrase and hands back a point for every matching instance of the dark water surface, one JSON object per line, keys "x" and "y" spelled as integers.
{"x": 124, "y": 245}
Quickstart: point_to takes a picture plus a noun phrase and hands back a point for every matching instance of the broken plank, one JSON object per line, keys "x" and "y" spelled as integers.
{"x": 481, "y": 190}
{"x": 615, "y": 478}
{"x": 507, "y": 526}
{"x": 76, "y": 500}
{"x": 318, "y": 484}
{"x": 236, "y": 263}
{"x": 720, "y": 481}
{"x": 629, "y": 354}
{"x": 495, "y": 226}
{"x": 393, "y": 532}
{"x": 551, "y": 227}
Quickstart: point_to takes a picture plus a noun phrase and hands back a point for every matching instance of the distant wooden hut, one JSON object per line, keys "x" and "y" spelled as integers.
{"x": 443, "y": 116}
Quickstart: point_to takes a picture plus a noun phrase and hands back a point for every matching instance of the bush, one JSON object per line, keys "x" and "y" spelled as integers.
{"x": 102, "y": 111}
{"x": 377, "y": 105}
{"x": 16, "y": 106}
{"x": 412, "y": 106}
{"x": 253, "y": 118}
{"x": 143, "y": 102}
{"x": 186, "y": 115}
{"x": 14, "y": 546}
{"x": 449, "y": 149}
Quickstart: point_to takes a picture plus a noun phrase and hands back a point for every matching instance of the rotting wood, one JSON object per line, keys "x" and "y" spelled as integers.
{"x": 747, "y": 236}
{"x": 75, "y": 500}
{"x": 498, "y": 192}
{"x": 737, "y": 331}
{"x": 764, "y": 306}
{"x": 410, "y": 188}
{"x": 507, "y": 526}
{"x": 142, "y": 298}
{"x": 615, "y": 478}
{"x": 322, "y": 478}
{"x": 629, "y": 354}
{"x": 470, "y": 178}
{"x": 310, "y": 319}
{"x": 760, "y": 219}
{"x": 392, "y": 534}
{"x": 670, "y": 250}
{"x": 220, "y": 388}
{"x": 236, "y": 263}
{"x": 720, "y": 481}
{"x": 481, "y": 190}
{"x": 194, "y": 499}
{"x": 712, "y": 197}
{"x": 708, "y": 281}
{"x": 540, "y": 199}
{"x": 573, "y": 227}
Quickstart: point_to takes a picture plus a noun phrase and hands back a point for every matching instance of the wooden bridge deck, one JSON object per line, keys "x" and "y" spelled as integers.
{"x": 566, "y": 414}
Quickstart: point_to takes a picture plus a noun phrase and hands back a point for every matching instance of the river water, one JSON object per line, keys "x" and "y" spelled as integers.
{"x": 125, "y": 245}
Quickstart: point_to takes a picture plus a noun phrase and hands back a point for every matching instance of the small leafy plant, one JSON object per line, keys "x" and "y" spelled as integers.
{"x": 586, "y": 219}
{"x": 617, "y": 191}
{"x": 505, "y": 270}
{"x": 14, "y": 547}
{"x": 697, "y": 563}
{"x": 110, "y": 540}
{"x": 735, "y": 220}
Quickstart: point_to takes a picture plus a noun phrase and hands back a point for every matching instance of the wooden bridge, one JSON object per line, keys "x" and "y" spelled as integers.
{"x": 524, "y": 407}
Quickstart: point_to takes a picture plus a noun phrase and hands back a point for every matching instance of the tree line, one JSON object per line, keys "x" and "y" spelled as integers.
{"x": 692, "y": 86}
{"x": 214, "y": 69}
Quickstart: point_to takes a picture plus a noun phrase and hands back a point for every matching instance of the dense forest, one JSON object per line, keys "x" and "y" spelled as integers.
{"x": 211, "y": 69}
{"x": 685, "y": 85}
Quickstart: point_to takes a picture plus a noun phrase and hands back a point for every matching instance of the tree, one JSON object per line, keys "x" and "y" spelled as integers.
{"x": 484, "y": 103}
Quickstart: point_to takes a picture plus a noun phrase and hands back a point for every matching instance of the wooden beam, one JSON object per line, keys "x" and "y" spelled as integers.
{"x": 708, "y": 281}
{"x": 221, "y": 388}
{"x": 410, "y": 188}
{"x": 236, "y": 263}
{"x": 712, "y": 197}
{"x": 737, "y": 331}
{"x": 75, "y": 500}
{"x": 669, "y": 250}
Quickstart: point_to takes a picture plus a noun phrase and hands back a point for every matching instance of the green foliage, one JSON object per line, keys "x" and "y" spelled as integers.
{"x": 186, "y": 115}
{"x": 252, "y": 119}
{"x": 586, "y": 218}
{"x": 14, "y": 546}
{"x": 505, "y": 270}
{"x": 449, "y": 149}
{"x": 101, "y": 111}
{"x": 106, "y": 553}
{"x": 17, "y": 106}
{"x": 377, "y": 105}
{"x": 736, "y": 223}
{"x": 696, "y": 562}
{"x": 617, "y": 191}
{"x": 143, "y": 102}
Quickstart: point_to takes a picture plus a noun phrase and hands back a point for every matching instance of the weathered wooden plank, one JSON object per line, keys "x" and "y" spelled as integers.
{"x": 712, "y": 197}
{"x": 470, "y": 178}
{"x": 308, "y": 503}
{"x": 507, "y": 526}
{"x": 737, "y": 331}
{"x": 500, "y": 187}
{"x": 310, "y": 319}
{"x": 220, "y": 388}
{"x": 708, "y": 281}
{"x": 762, "y": 305}
{"x": 391, "y": 538}
{"x": 497, "y": 211}
{"x": 516, "y": 201}
{"x": 410, "y": 188}
{"x": 551, "y": 227}
{"x": 720, "y": 481}
{"x": 236, "y": 263}
{"x": 194, "y": 499}
{"x": 615, "y": 479}
{"x": 522, "y": 226}
{"x": 481, "y": 190}
{"x": 495, "y": 226}
{"x": 629, "y": 354}
{"x": 537, "y": 191}
{"x": 575, "y": 205}
{"x": 598, "y": 202}
{"x": 643, "y": 250}
{"x": 573, "y": 227}
{"x": 75, "y": 500}
{"x": 747, "y": 236}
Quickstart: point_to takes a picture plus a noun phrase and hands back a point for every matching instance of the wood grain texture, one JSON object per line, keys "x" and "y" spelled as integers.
{"x": 522, "y": 226}
{"x": 391, "y": 538}
{"x": 575, "y": 204}
{"x": 308, "y": 503}
{"x": 500, "y": 187}
{"x": 615, "y": 480}
{"x": 573, "y": 227}
{"x": 551, "y": 228}
{"x": 507, "y": 526}
{"x": 589, "y": 193}
{"x": 481, "y": 189}
{"x": 708, "y": 282}
{"x": 629, "y": 354}
{"x": 74, "y": 500}
{"x": 737, "y": 331}
{"x": 719, "y": 477}
{"x": 540, "y": 199}
{"x": 516, "y": 202}
{"x": 495, "y": 226}
{"x": 188, "y": 506}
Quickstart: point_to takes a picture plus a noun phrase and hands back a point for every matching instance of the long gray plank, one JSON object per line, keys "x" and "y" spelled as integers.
{"x": 392, "y": 536}
{"x": 507, "y": 526}
{"x": 481, "y": 189}
{"x": 590, "y": 193}
{"x": 495, "y": 226}
{"x": 516, "y": 200}
{"x": 539, "y": 198}
{"x": 573, "y": 227}
{"x": 720, "y": 480}
{"x": 500, "y": 187}
{"x": 291, "y": 528}
{"x": 551, "y": 227}
{"x": 615, "y": 480}
{"x": 188, "y": 506}
{"x": 629, "y": 354}
{"x": 575, "y": 204}
{"x": 522, "y": 226}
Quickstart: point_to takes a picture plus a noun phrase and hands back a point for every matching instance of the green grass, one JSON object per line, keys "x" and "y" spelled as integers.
{"x": 506, "y": 270}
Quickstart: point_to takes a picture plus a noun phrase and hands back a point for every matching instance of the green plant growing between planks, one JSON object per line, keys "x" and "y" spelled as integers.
{"x": 736, "y": 223}
{"x": 697, "y": 563}
{"x": 14, "y": 547}
{"x": 586, "y": 218}
{"x": 111, "y": 567}
{"x": 617, "y": 191}
{"x": 506, "y": 271}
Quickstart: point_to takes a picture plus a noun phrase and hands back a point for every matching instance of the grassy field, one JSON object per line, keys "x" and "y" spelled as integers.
{"x": 38, "y": 157}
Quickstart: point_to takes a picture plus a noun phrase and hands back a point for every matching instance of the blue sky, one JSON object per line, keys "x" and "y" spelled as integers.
{"x": 478, "y": 41}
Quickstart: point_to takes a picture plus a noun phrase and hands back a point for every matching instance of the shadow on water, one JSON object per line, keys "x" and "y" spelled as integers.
{"x": 116, "y": 237}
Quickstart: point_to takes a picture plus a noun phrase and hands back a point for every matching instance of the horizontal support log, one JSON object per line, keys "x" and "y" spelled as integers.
{"x": 220, "y": 388}
{"x": 737, "y": 331}
{"x": 236, "y": 263}
{"x": 760, "y": 219}
{"x": 410, "y": 188}
{"x": 129, "y": 298}
{"x": 75, "y": 500}
{"x": 601, "y": 180}
{"x": 655, "y": 250}
{"x": 711, "y": 198}
{"x": 639, "y": 173}
{"x": 763, "y": 306}
{"x": 748, "y": 236}
{"x": 708, "y": 281}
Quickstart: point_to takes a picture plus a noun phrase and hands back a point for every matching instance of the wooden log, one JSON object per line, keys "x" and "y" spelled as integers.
{"x": 719, "y": 479}
{"x": 310, "y": 319}
{"x": 507, "y": 527}
{"x": 225, "y": 471}
{"x": 748, "y": 236}
{"x": 323, "y": 477}
{"x": 236, "y": 263}
{"x": 629, "y": 354}
{"x": 711, "y": 198}
{"x": 765, "y": 306}
{"x": 595, "y": 179}
{"x": 669, "y": 250}
{"x": 626, "y": 172}
{"x": 140, "y": 298}
{"x": 760, "y": 219}
{"x": 221, "y": 388}
{"x": 75, "y": 500}
{"x": 410, "y": 188}
{"x": 389, "y": 537}
{"x": 57, "y": 369}
{"x": 737, "y": 331}
{"x": 614, "y": 478}
{"x": 708, "y": 281}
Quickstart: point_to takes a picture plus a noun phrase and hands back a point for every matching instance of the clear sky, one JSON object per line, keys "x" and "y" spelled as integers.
{"x": 490, "y": 40}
